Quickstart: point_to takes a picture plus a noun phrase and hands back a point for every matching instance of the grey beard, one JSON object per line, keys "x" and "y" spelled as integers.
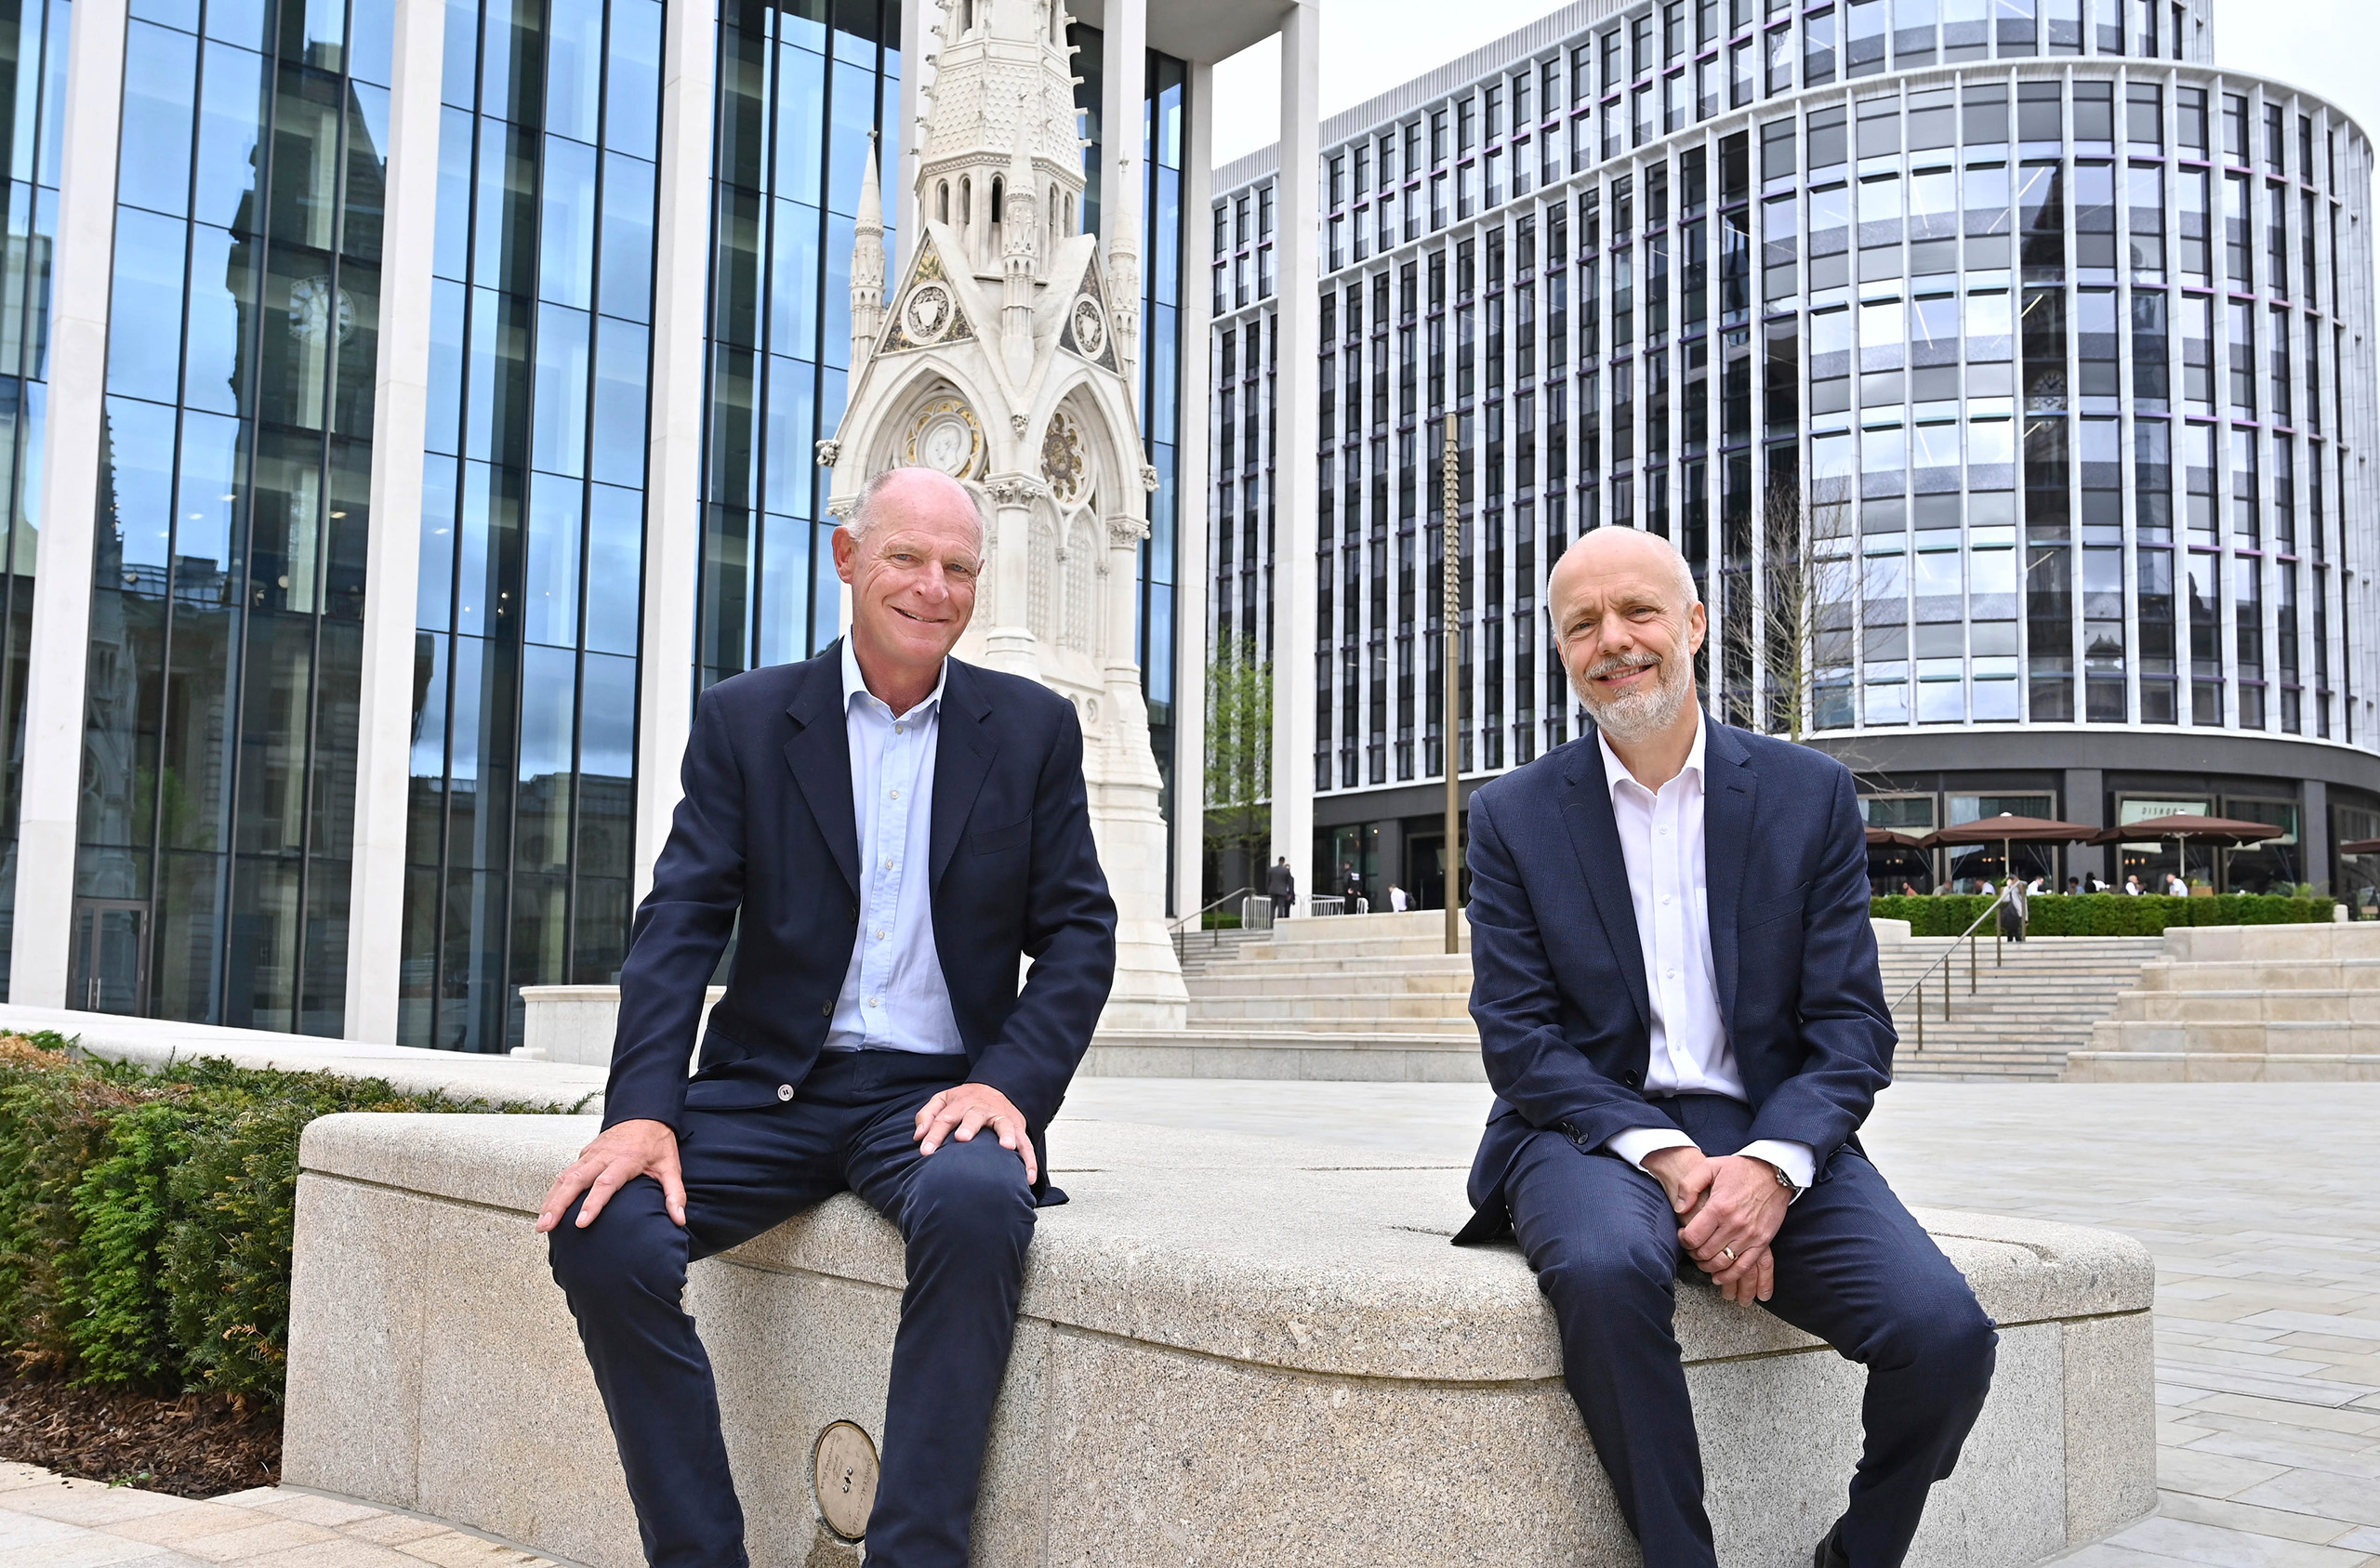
{"x": 1640, "y": 714}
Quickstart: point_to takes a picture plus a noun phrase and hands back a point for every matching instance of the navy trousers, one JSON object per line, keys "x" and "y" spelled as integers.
{"x": 966, "y": 1214}
{"x": 1852, "y": 1267}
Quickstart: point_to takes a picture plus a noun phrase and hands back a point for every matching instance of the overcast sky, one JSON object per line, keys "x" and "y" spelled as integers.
{"x": 2328, "y": 47}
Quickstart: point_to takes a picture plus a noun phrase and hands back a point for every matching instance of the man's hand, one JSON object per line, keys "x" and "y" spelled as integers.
{"x": 963, "y": 1112}
{"x": 1685, "y": 1174}
{"x": 618, "y": 1157}
{"x": 1728, "y": 1236}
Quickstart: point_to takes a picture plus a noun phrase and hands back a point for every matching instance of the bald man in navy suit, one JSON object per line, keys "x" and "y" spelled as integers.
{"x": 1676, "y": 985}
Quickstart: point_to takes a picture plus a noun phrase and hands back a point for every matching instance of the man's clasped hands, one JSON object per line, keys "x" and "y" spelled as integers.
{"x": 1729, "y": 1210}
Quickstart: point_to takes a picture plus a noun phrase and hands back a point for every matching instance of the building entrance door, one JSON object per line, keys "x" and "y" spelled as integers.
{"x": 110, "y": 971}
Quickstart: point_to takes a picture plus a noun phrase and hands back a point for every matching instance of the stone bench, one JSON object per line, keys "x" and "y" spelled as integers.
{"x": 1234, "y": 1351}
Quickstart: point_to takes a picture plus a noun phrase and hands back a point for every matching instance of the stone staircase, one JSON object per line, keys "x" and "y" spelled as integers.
{"x": 1378, "y": 995}
{"x": 1196, "y": 950}
{"x": 2246, "y": 1004}
{"x": 2032, "y": 1003}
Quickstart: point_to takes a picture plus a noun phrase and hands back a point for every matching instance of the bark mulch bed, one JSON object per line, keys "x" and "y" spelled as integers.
{"x": 191, "y": 1448}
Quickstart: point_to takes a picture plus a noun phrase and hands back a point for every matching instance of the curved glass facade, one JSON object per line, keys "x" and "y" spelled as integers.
{"x": 2002, "y": 371}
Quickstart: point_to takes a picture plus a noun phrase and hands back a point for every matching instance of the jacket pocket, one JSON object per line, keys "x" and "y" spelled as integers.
{"x": 1761, "y": 914}
{"x": 993, "y": 840}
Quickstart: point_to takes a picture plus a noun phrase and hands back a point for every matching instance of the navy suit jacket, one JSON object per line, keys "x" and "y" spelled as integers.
{"x": 765, "y": 844}
{"x": 1558, "y": 973}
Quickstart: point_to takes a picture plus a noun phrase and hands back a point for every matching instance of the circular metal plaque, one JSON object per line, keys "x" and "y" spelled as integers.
{"x": 842, "y": 1471}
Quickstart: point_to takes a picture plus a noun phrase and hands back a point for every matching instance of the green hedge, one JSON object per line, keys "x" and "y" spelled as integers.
{"x": 147, "y": 1218}
{"x": 2100, "y": 915}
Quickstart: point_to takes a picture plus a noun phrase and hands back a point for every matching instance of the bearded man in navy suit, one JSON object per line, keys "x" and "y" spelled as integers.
{"x": 889, "y": 832}
{"x": 1676, "y": 985}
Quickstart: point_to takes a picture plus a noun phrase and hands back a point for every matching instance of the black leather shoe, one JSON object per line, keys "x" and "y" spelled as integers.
{"x": 1830, "y": 1553}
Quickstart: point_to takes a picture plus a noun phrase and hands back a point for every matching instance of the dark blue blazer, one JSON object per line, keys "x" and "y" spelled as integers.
{"x": 1558, "y": 975}
{"x": 765, "y": 844}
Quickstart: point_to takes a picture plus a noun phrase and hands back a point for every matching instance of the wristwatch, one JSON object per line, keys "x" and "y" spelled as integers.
{"x": 1786, "y": 1181}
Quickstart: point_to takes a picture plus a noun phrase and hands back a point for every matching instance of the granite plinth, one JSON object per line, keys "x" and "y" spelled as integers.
{"x": 1233, "y": 1349}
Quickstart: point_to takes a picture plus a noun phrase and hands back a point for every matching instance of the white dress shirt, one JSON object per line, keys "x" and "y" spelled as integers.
{"x": 893, "y": 997}
{"x": 1661, "y": 838}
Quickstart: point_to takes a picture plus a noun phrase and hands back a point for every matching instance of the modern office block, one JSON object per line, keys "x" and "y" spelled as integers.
{"x": 2004, "y": 372}
{"x": 419, "y": 404}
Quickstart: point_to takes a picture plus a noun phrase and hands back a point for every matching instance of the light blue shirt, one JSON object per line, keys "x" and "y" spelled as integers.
{"x": 893, "y": 997}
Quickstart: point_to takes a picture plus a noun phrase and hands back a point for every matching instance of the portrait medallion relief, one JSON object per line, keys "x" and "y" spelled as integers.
{"x": 946, "y": 437}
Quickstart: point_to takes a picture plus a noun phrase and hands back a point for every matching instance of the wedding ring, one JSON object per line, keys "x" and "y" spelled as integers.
{"x": 1728, "y": 1253}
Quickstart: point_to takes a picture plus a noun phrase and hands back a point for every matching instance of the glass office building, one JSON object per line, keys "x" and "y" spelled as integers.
{"x": 466, "y": 262}
{"x": 2002, "y": 369}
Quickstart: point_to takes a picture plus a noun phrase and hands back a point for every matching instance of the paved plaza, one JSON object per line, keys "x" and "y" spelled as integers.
{"x": 48, "y": 1521}
{"x": 2256, "y": 1199}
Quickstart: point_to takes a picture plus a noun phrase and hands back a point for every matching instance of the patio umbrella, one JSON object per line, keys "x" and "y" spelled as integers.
{"x": 2007, "y": 830}
{"x": 2361, "y": 846}
{"x": 2183, "y": 827}
{"x": 1885, "y": 839}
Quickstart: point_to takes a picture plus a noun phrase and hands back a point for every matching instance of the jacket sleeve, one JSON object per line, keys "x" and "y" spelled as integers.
{"x": 1846, "y": 1029}
{"x": 1070, "y": 936}
{"x": 681, "y": 930}
{"x": 1516, "y": 1000}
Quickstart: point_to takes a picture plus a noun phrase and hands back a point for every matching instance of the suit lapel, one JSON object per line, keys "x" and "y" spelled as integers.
{"x": 1595, "y": 839}
{"x": 1730, "y": 792}
{"x": 820, "y": 755}
{"x": 963, "y": 753}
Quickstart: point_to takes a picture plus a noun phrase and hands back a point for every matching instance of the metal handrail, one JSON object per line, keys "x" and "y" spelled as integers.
{"x": 1917, "y": 988}
{"x": 1176, "y": 925}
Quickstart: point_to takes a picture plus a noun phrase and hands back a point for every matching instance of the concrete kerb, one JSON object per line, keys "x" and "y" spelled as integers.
{"x": 1233, "y": 1349}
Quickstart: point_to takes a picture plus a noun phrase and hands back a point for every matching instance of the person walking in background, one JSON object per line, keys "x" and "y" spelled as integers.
{"x": 2015, "y": 906}
{"x": 1281, "y": 886}
{"x": 1397, "y": 901}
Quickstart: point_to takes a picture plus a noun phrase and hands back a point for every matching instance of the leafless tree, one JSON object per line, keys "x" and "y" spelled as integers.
{"x": 1790, "y": 628}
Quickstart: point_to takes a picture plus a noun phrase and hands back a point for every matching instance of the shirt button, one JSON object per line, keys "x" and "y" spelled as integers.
{"x": 785, "y": 1092}
{"x": 896, "y": 794}
{"x": 880, "y": 936}
{"x": 888, "y": 865}
{"x": 872, "y": 1001}
{"x": 1667, "y": 901}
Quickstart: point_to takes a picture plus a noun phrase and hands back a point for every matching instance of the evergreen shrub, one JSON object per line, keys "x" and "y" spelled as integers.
{"x": 147, "y": 1217}
{"x": 2100, "y": 915}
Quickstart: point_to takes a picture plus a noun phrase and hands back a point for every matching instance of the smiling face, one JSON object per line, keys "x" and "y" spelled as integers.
{"x": 1628, "y": 626}
{"x": 912, "y": 576}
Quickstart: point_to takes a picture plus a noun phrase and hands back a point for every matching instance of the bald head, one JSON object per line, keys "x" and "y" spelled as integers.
{"x": 914, "y": 495}
{"x": 1627, "y": 623}
{"x": 1603, "y": 551}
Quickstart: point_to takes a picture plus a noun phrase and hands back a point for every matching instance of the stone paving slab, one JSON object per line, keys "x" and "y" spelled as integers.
{"x": 2255, "y": 1198}
{"x": 48, "y": 1521}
